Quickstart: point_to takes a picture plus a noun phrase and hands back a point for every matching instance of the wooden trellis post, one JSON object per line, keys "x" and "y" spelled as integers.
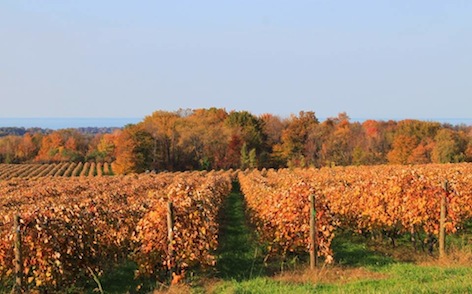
{"x": 442, "y": 221}
{"x": 18, "y": 257}
{"x": 313, "y": 234}
{"x": 170, "y": 239}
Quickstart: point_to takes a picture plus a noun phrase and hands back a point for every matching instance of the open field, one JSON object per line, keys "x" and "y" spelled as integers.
{"x": 65, "y": 169}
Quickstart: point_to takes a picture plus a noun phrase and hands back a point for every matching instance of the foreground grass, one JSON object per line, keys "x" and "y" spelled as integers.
{"x": 361, "y": 270}
{"x": 399, "y": 278}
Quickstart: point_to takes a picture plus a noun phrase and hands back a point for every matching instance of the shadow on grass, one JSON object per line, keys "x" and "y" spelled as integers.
{"x": 350, "y": 250}
{"x": 120, "y": 279}
{"x": 238, "y": 254}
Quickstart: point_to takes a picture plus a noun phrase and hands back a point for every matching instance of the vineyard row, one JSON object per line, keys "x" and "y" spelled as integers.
{"x": 66, "y": 169}
{"x": 389, "y": 200}
{"x": 70, "y": 226}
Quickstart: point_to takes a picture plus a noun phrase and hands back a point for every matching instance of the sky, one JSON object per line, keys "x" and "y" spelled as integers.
{"x": 371, "y": 59}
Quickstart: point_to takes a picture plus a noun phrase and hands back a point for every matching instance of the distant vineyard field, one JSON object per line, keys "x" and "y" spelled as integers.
{"x": 65, "y": 169}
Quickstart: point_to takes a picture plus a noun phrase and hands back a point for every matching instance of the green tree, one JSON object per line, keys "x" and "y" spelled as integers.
{"x": 252, "y": 158}
{"x": 244, "y": 157}
{"x": 449, "y": 147}
{"x": 249, "y": 128}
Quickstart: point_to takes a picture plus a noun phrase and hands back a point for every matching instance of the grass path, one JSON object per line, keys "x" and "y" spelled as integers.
{"x": 237, "y": 254}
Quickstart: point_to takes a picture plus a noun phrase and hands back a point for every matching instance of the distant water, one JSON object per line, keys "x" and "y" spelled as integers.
{"x": 452, "y": 121}
{"x": 55, "y": 123}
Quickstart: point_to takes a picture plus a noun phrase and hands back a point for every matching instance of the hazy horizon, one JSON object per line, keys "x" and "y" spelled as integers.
{"x": 55, "y": 123}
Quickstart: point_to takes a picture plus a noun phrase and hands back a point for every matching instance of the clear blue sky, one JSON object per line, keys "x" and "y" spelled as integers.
{"x": 371, "y": 59}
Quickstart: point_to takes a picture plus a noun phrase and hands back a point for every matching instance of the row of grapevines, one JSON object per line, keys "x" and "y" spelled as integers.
{"x": 197, "y": 201}
{"x": 393, "y": 199}
{"x": 66, "y": 169}
{"x": 279, "y": 207}
{"x": 396, "y": 198}
{"x": 70, "y": 226}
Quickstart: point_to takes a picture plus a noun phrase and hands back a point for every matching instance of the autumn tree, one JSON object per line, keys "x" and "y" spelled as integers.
{"x": 422, "y": 152}
{"x": 376, "y": 142}
{"x": 413, "y": 142}
{"x": 162, "y": 125}
{"x": 296, "y": 147}
{"x": 8, "y": 145}
{"x": 233, "y": 157}
{"x": 403, "y": 147}
{"x": 102, "y": 148}
{"x": 27, "y": 148}
{"x": 63, "y": 145}
{"x": 134, "y": 150}
{"x": 204, "y": 139}
{"x": 468, "y": 152}
{"x": 339, "y": 140}
{"x": 272, "y": 127}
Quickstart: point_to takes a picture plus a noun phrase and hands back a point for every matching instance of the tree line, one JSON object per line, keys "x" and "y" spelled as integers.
{"x": 204, "y": 139}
